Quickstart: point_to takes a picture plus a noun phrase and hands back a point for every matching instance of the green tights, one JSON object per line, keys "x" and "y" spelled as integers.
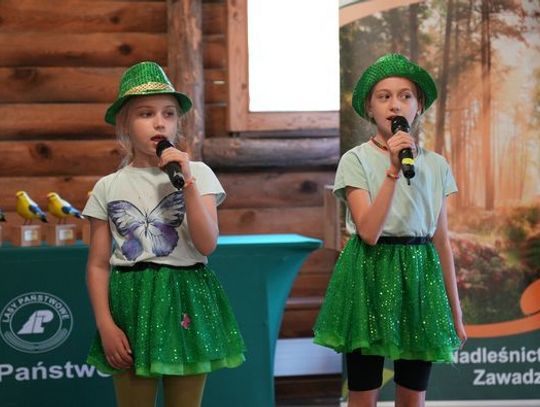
{"x": 178, "y": 391}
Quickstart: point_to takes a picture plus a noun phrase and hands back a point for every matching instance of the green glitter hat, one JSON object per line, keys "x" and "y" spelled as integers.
{"x": 144, "y": 79}
{"x": 387, "y": 66}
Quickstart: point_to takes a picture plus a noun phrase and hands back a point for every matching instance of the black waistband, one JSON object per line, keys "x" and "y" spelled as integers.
{"x": 144, "y": 265}
{"x": 404, "y": 240}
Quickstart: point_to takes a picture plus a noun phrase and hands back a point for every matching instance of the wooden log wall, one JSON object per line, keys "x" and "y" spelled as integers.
{"x": 60, "y": 64}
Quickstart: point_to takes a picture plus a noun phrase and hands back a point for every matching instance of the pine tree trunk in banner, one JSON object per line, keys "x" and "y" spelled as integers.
{"x": 489, "y": 195}
{"x": 185, "y": 63}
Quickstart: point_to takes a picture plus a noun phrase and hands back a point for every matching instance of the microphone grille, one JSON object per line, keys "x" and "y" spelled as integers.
{"x": 162, "y": 145}
{"x": 400, "y": 123}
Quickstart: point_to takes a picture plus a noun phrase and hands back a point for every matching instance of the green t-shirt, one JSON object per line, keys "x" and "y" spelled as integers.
{"x": 415, "y": 208}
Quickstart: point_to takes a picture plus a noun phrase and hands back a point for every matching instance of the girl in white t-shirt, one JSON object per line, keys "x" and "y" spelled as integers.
{"x": 393, "y": 293}
{"x": 160, "y": 311}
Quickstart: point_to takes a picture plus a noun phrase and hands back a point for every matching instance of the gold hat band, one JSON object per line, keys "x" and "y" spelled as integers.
{"x": 149, "y": 86}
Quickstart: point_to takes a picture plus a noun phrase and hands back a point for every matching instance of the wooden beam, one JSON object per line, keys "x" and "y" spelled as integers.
{"x": 32, "y": 121}
{"x": 237, "y": 61}
{"x": 311, "y": 284}
{"x": 51, "y": 172}
{"x": 246, "y": 152}
{"x": 185, "y": 63}
{"x": 214, "y": 18}
{"x": 72, "y": 189}
{"x": 321, "y": 261}
{"x": 215, "y": 121}
{"x": 95, "y": 49}
{"x": 59, "y": 158}
{"x": 59, "y": 84}
{"x": 214, "y": 52}
{"x": 81, "y": 84}
{"x": 84, "y": 16}
{"x": 292, "y": 120}
{"x": 304, "y": 221}
{"x": 81, "y": 16}
{"x": 215, "y": 89}
{"x": 275, "y": 189}
{"x": 298, "y": 320}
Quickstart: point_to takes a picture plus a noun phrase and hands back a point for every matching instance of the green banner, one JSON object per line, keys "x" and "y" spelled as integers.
{"x": 487, "y": 369}
{"x": 485, "y": 58}
{"x": 46, "y": 326}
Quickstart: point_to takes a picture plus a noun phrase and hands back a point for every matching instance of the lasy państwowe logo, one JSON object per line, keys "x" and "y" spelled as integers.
{"x": 35, "y": 322}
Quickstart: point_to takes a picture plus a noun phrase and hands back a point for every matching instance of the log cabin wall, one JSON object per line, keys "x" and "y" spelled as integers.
{"x": 60, "y": 64}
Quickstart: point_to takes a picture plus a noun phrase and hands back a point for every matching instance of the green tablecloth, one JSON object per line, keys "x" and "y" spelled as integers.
{"x": 46, "y": 322}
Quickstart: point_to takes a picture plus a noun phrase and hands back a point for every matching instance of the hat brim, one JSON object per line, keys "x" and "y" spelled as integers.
{"x": 110, "y": 115}
{"x": 392, "y": 65}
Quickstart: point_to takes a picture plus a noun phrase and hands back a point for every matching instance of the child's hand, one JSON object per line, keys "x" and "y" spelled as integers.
{"x": 172, "y": 154}
{"x": 398, "y": 142}
{"x": 116, "y": 347}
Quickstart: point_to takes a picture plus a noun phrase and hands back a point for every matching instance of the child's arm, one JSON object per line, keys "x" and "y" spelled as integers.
{"x": 201, "y": 211}
{"x": 114, "y": 341}
{"x": 202, "y": 218}
{"x": 442, "y": 244}
{"x": 368, "y": 217}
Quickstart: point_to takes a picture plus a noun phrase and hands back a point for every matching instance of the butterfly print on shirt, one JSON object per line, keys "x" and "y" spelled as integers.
{"x": 154, "y": 231}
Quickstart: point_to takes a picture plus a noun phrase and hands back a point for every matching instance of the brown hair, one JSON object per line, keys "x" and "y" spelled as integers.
{"x": 420, "y": 97}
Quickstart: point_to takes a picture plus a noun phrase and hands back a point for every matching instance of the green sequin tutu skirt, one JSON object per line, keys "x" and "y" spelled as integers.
{"x": 178, "y": 322}
{"x": 388, "y": 300}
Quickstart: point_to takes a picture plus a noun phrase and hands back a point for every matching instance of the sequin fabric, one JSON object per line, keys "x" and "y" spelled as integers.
{"x": 388, "y": 300}
{"x": 178, "y": 322}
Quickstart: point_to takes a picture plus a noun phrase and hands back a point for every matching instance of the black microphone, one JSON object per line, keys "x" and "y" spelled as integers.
{"x": 172, "y": 169}
{"x": 399, "y": 123}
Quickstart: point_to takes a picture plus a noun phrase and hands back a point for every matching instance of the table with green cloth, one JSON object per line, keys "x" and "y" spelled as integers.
{"x": 47, "y": 325}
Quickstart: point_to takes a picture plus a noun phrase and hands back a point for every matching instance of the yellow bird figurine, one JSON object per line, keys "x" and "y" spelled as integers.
{"x": 61, "y": 208}
{"x": 28, "y": 209}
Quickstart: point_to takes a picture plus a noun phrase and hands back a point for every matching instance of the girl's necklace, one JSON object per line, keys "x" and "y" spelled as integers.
{"x": 381, "y": 146}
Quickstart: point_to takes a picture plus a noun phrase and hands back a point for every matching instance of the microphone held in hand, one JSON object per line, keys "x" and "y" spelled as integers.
{"x": 172, "y": 169}
{"x": 399, "y": 123}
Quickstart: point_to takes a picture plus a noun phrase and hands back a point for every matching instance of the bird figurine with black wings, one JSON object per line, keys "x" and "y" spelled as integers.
{"x": 28, "y": 209}
{"x": 61, "y": 208}
{"x": 2, "y": 216}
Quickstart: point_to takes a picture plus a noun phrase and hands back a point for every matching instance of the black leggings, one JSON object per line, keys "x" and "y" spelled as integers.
{"x": 364, "y": 372}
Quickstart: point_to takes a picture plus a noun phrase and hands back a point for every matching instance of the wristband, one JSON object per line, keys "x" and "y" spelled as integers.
{"x": 189, "y": 182}
{"x": 392, "y": 176}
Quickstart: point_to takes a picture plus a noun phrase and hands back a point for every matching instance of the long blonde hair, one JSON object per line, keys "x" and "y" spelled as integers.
{"x": 122, "y": 131}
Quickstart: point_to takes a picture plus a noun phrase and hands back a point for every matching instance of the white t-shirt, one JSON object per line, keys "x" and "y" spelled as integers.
{"x": 147, "y": 215}
{"x": 415, "y": 208}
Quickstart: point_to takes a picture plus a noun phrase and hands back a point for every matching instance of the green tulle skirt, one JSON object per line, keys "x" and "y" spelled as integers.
{"x": 388, "y": 300}
{"x": 178, "y": 322}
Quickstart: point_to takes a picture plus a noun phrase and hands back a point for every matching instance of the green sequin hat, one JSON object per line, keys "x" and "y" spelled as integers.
{"x": 144, "y": 79}
{"x": 387, "y": 66}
